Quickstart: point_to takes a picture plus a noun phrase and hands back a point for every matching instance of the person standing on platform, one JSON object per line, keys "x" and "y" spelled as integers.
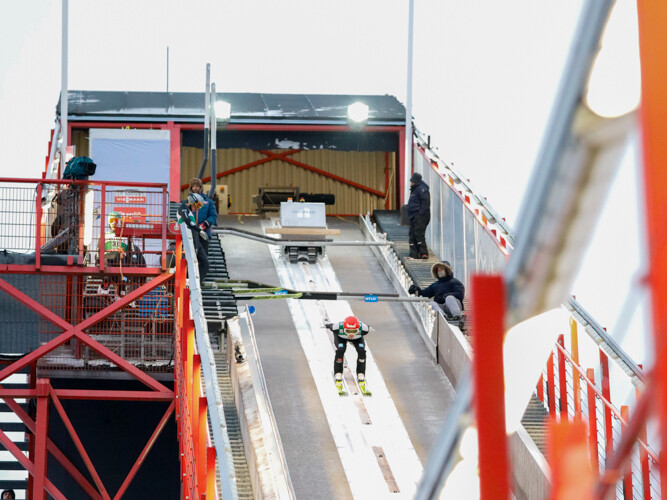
{"x": 419, "y": 215}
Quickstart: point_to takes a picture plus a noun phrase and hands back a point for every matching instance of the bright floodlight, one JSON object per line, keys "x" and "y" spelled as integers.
{"x": 357, "y": 112}
{"x": 223, "y": 110}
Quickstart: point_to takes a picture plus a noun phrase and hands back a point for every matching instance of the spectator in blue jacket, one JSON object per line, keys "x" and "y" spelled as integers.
{"x": 419, "y": 215}
{"x": 207, "y": 215}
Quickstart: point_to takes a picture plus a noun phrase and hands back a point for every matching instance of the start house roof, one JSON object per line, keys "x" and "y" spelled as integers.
{"x": 245, "y": 107}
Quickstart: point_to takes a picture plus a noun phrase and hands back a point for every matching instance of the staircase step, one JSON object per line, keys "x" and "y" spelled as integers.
{"x": 6, "y": 465}
{"x": 12, "y": 426}
{"x": 22, "y": 445}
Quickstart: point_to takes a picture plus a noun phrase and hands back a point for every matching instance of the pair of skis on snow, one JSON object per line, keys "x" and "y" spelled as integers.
{"x": 340, "y": 387}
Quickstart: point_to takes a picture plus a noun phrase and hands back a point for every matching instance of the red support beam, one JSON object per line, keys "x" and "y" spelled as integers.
{"x": 488, "y": 325}
{"x": 9, "y": 445}
{"x": 540, "y": 388}
{"x": 576, "y": 381}
{"x": 593, "y": 424}
{"x": 400, "y": 170}
{"x": 144, "y": 453}
{"x": 335, "y": 177}
{"x": 202, "y": 443}
{"x": 652, "y": 19}
{"x": 606, "y": 392}
{"x": 174, "y": 160}
{"x": 627, "y": 480}
{"x": 38, "y": 226}
{"x": 568, "y": 457}
{"x": 562, "y": 380}
{"x": 551, "y": 389}
{"x": 41, "y": 437}
{"x": 270, "y": 156}
{"x": 210, "y": 472}
{"x": 54, "y": 450}
{"x": 643, "y": 458}
{"x": 78, "y": 444}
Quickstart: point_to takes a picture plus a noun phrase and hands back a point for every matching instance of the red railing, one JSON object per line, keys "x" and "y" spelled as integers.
{"x": 104, "y": 226}
{"x": 566, "y": 382}
{"x": 196, "y": 457}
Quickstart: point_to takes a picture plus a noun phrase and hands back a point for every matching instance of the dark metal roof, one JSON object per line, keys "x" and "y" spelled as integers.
{"x": 246, "y": 108}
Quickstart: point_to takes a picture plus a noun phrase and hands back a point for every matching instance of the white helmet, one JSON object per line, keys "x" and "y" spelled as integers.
{"x": 195, "y": 199}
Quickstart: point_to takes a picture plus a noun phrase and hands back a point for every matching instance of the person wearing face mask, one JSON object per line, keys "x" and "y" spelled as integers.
{"x": 446, "y": 291}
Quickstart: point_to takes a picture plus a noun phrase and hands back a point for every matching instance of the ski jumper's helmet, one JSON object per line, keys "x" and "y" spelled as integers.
{"x": 351, "y": 324}
{"x": 195, "y": 200}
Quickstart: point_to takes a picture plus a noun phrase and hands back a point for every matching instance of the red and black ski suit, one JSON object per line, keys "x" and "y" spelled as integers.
{"x": 341, "y": 338}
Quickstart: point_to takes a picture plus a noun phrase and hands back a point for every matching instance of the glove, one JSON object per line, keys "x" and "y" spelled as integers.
{"x": 203, "y": 235}
{"x": 440, "y": 299}
{"x": 414, "y": 289}
{"x": 328, "y": 325}
{"x": 203, "y": 226}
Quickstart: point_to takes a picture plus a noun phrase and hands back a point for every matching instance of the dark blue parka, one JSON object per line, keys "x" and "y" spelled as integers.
{"x": 419, "y": 204}
{"x": 447, "y": 285}
{"x": 207, "y": 214}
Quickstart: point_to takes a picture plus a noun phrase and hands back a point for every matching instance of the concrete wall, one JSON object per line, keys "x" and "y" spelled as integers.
{"x": 529, "y": 467}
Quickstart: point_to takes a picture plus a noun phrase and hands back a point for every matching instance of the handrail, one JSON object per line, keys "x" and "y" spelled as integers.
{"x": 601, "y": 397}
{"x": 607, "y": 340}
{"x": 267, "y": 401}
{"x": 213, "y": 397}
{"x": 28, "y": 180}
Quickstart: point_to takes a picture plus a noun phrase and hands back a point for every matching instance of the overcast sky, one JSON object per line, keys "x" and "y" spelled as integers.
{"x": 485, "y": 74}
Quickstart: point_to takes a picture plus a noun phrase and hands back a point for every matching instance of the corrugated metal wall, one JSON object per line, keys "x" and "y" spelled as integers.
{"x": 80, "y": 140}
{"x": 365, "y": 168}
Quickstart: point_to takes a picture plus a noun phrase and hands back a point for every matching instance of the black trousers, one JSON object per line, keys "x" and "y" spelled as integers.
{"x": 201, "y": 247}
{"x": 417, "y": 237}
{"x": 341, "y": 345}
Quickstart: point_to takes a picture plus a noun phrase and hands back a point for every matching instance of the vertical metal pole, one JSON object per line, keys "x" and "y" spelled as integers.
{"x": 202, "y": 458}
{"x": 488, "y": 325}
{"x": 408, "y": 106}
{"x": 562, "y": 379}
{"x": 652, "y": 17}
{"x": 103, "y": 218}
{"x": 643, "y": 458}
{"x": 606, "y": 392}
{"x": 63, "y": 85}
{"x": 167, "y": 68}
{"x": 214, "y": 143}
{"x": 207, "y": 116}
{"x": 627, "y": 480}
{"x": 210, "y": 472}
{"x": 38, "y": 227}
{"x": 551, "y": 389}
{"x": 593, "y": 424}
{"x": 576, "y": 388}
{"x": 540, "y": 388}
{"x": 41, "y": 438}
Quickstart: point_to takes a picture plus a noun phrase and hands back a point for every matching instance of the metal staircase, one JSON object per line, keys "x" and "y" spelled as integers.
{"x": 12, "y": 474}
{"x": 388, "y": 222}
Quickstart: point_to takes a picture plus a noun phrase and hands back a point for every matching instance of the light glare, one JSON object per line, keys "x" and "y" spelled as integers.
{"x": 223, "y": 110}
{"x": 357, "y": 112}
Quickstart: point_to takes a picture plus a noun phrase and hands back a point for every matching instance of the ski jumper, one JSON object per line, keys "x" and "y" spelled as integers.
{"x": 340, "y": 342}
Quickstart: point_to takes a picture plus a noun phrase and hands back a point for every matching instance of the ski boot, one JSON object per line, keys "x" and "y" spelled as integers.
{"x": 361, "y": 380}
{"x": 338, "y": 379}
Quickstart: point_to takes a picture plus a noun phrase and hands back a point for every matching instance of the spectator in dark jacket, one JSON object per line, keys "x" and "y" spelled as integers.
{"x": 419, "y": 214}
{"x": 207, "y": 215}
{"x": 446, "y": 291}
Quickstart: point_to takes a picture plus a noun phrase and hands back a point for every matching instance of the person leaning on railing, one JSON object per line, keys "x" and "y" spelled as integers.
{"x": 186, "y": 214}
{"x": 207, "y": 215}
{"x": 447, "y": 291}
